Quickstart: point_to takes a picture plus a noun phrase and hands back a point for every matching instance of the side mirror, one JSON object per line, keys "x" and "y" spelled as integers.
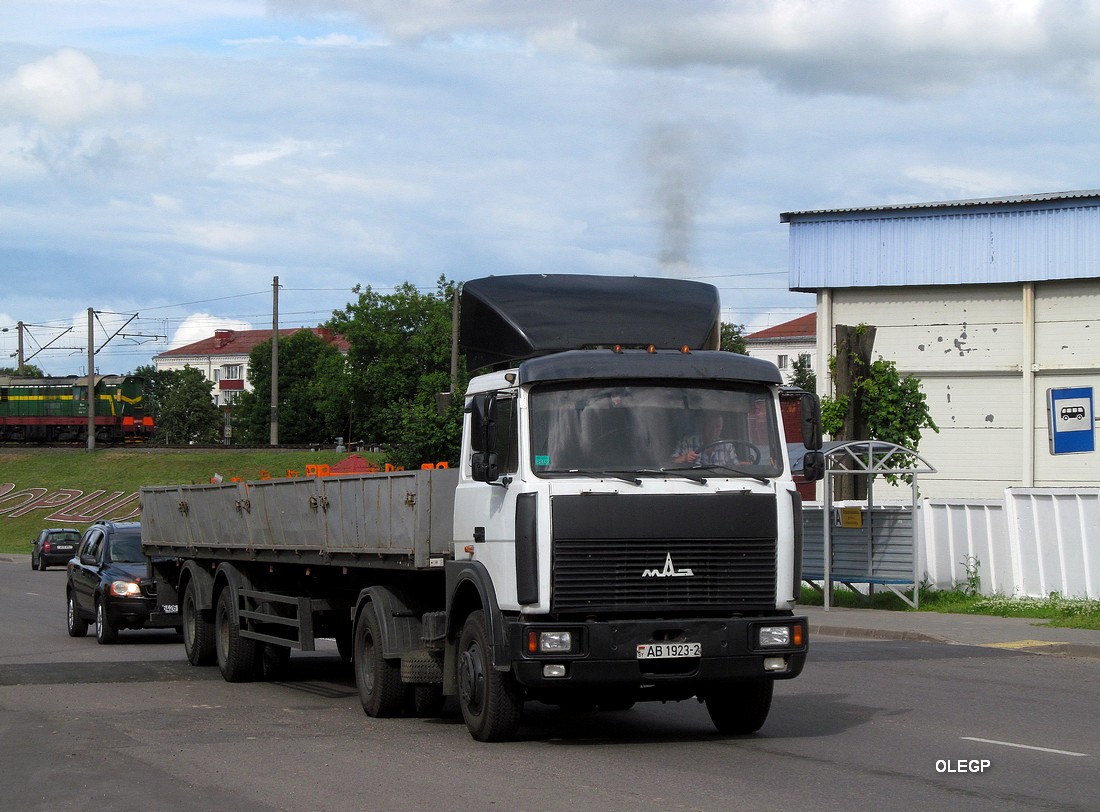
{"x": 483, "y": 415}
{"x": 811, "y": 421}
{"x": 484, "y": 467}
{"x": 813, "y": 466}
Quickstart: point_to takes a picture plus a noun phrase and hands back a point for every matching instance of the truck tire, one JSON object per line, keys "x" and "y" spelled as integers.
{"x": 491, "y": 700}
{"x": 198, "y": 634}
{"x": 105, "y": 631}
{"x": 381, "y": 691}
{"x": 78, "y": 626}
{"x": 740, "y": 707}
{"x": 236, "y": 654}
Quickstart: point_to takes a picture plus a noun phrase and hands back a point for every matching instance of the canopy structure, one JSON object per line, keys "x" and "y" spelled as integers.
{"x": 871, "y": 458}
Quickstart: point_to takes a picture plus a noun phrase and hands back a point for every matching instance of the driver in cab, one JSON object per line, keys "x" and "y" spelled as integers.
{"x": 707, "y": 446}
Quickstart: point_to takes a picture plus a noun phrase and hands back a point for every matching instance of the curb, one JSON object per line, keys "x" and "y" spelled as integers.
{"x": 877, "y": 634}
{"x": 1085, "y": 650}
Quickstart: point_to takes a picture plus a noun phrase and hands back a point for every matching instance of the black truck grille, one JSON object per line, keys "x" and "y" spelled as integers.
{"x": 627, "y": 574}
{"x": 619, "y": 553}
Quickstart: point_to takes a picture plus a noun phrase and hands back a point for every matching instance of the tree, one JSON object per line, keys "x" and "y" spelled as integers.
{"x": 872, "y": 402}
{"x": 733, "y": 338}
{"x": 29, "y": 371}
{"x": 313, "y": 392}
{"x": 181, "y": 405}
{"x": 802, "y": 374}
{"x": 400, "y": 358}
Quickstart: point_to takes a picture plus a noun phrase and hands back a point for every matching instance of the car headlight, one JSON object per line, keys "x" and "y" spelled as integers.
{"x": 125, "y": 589}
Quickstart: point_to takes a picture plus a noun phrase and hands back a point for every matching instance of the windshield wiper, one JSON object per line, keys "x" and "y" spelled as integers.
{"x": 633, "y": 480}
{"x": 736, "y": 471}
{"x": 680, "y": 472}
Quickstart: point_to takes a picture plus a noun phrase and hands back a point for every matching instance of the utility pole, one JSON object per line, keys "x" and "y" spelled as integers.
{"x": 19, "y": 356}
{"x": 91, "y": 380}
{"x": 275, "y": 361}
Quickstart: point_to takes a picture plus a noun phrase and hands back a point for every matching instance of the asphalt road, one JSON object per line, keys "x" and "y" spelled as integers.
{"x": 869, "y": 723}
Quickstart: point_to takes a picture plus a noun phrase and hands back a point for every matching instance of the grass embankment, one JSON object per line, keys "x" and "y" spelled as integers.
{"x": 1069, "y": 613}
{"x": 123, "y": 470}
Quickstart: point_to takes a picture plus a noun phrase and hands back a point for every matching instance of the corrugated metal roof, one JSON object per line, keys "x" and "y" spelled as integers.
{"x": 785, "y": 217}
{"x": 1028, "y": 238}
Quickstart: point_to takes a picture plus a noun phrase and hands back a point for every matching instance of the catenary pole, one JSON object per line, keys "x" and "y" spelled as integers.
{"x": 275, "y": 361}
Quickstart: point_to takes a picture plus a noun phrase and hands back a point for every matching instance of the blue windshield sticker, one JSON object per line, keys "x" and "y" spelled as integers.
{"x": 542, "y": 459}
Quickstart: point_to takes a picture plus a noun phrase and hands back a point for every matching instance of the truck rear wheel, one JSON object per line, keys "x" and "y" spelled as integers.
{"x": 198, "y": 634}
{"x": 381, "y": 691}
{"x": 491, "y": 700}
{"x": 740, "y": 707}
{"x": 236, "y": 655}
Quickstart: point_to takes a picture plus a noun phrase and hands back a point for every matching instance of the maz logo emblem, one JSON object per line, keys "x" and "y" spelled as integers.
{"x": 669, "y": 571}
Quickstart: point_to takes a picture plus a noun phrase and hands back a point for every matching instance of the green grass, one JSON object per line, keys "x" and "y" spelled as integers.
{"x": 1070, "y": 613}
{"x": 127, "y": 470}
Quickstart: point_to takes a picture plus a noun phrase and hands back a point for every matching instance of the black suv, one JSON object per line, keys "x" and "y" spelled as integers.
{"x": 108, "y": 584}
{"x": 55, "y": 545}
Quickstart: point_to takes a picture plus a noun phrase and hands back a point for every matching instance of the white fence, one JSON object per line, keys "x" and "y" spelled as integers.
{"x": 1033, "y": 542}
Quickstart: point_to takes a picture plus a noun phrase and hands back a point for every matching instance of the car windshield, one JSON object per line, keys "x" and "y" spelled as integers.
{"x": 718, "y": 428}
{"x": 126, "y": 549}
{"x": 63, "y": 537}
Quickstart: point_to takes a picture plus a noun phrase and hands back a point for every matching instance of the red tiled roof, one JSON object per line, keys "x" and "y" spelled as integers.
{"x": 241, "y": 342}
{"x": 802, "y": 327}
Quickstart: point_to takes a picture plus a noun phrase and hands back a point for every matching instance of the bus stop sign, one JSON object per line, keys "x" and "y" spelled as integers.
{"x": 1069, "y": 416}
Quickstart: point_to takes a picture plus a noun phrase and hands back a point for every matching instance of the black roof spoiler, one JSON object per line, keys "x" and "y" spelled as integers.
{"x": 512, "y": 318}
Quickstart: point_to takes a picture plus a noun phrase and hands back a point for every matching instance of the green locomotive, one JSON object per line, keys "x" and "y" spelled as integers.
{"x": 56, "y": 409}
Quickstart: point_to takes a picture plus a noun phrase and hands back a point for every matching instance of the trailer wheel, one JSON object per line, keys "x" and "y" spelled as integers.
{"x": 236, "y": 654}
{"x": 740, "y": 707}
{"x": 78, "y": 626}
{"x": 381, "y": 691}
{"x": 491, "y": 700}
{"x": 198, "y": 634}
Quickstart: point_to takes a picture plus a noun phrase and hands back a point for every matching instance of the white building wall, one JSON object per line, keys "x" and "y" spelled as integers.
{"x": 776, "y": 351}
{"x": 986, "y": 357}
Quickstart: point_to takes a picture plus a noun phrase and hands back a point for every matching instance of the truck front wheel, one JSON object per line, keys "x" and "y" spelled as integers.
{"x": 491, "y": 700}
{"x": 381, "y": 691}
{"x": 740, "y": 707}
{"x": 198, "y": 634}
{"x": 236, "y": 654}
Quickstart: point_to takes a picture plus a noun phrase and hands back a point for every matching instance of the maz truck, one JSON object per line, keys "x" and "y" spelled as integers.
{"x": 622, "y": 526}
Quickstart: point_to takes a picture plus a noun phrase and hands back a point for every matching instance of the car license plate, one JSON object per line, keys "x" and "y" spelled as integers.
{"x": 64, "y": 548}
{"x": 662, "y": 651}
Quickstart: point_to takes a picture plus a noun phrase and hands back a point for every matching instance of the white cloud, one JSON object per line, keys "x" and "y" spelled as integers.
{"x": 66, "y": 89}
{"x": 198, "y": 326}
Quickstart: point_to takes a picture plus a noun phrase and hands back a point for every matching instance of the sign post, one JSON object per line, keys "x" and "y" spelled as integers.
{"x": 1070, "y": 418}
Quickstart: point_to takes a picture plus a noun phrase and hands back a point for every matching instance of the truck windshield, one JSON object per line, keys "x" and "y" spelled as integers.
{"x": 721, "y": 428}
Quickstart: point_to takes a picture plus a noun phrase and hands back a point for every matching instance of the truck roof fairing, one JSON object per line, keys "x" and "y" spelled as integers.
{"x": 607, "y": 365}
{"x": 512, "y": 318}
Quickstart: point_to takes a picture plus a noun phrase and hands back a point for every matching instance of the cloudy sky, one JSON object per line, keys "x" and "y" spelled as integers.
{"x": 168, "y": 158}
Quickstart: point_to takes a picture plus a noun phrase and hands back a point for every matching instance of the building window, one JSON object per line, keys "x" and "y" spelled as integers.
{"x": 804, "y": 359}
{"x": 233, "y": 372}
{"x": 782, "y": 362}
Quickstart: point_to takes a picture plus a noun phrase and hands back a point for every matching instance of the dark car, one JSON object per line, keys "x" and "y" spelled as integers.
{"x": 108, "y": 584}
{"x": 55, "y": 545}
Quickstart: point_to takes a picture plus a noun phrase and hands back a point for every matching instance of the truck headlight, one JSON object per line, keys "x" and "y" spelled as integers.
{"x": 555, "y": 642}
{"x": 775, "y": 636}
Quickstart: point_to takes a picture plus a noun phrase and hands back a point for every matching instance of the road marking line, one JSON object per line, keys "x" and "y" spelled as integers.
{"x": 1024, "y": 746}
{"x": 1022, "y": 644}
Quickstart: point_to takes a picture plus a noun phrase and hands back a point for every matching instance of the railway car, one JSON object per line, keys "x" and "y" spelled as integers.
{"x": 50, "y": 410}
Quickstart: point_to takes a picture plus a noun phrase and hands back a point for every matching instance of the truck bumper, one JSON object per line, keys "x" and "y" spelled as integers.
{"x": 607, "y": 652}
